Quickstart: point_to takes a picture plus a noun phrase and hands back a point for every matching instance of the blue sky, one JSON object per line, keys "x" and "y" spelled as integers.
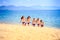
{"x": 29, "y": 3}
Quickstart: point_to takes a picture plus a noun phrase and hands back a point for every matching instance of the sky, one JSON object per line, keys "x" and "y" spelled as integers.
{"x": 29, "y": 3}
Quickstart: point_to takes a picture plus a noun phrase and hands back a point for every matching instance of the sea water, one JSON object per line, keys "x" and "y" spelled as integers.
{"x": 49, "y": 17}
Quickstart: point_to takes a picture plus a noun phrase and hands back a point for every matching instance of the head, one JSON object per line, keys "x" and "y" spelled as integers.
{"x": 40, "y": 20}
{"x": 28, "y": 17}
{"x": 33, "y": 18}
{"x": 22, "y": 17}
{"x": 37, "y": 19}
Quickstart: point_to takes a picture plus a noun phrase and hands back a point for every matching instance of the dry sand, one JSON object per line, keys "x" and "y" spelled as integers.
{"x": 19, "y": 32}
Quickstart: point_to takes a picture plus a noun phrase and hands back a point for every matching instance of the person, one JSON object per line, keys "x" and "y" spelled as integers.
{"x": 34, "y": 22}
{"x": 28, "y": 20}
{"x": 41, "y": 23}
{"x": 38, "y": 22}
{"x": 23, "y": 20}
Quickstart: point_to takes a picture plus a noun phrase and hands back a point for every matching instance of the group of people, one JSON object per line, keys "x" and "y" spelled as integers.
{"x": 27, "y": 21}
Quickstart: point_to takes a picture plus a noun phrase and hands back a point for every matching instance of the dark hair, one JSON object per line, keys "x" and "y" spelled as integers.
{"x": 37, "y": 19}
{"x": 40, "y": 20}
{"x": 22, "y": 17}
{"x": 33, "y": 18}
{"x": 28, "y": 17}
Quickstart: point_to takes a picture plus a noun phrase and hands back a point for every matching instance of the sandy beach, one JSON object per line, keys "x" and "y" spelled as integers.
{"x": 19, "y": 32}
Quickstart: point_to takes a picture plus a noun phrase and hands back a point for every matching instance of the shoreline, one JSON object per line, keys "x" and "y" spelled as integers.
{"x": 27, "y": 25}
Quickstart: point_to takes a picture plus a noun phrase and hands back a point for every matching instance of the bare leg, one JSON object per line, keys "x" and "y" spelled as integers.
{"x": 28, "y": 24}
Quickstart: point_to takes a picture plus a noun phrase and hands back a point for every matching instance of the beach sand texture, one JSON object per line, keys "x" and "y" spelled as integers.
{"x": 19, "y": 32}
